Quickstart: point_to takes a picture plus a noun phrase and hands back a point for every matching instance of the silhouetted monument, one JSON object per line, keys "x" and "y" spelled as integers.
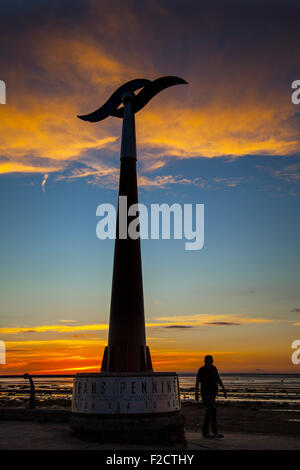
{"x": 108, "y": 403}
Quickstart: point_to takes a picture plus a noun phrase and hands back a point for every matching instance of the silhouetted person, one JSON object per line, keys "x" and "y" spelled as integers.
{"x": 32, "y": 391}
{"x": 209, "y": 378}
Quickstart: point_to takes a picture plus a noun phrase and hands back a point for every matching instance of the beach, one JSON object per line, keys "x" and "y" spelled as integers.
{"x": 258, "y": 418}
{"x": 260, "y": 410}
{"x": 245, "y": 427}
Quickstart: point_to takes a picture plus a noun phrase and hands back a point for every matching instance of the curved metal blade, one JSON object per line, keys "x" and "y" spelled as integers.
{"x": 115, "y": 100}
{"x": 149, "y": 91}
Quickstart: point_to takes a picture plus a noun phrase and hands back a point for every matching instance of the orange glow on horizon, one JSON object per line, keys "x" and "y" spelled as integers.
{"x": 75, "y": 355}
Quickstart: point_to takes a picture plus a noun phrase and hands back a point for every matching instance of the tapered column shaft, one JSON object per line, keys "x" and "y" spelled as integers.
{"x": 126, "y": 350}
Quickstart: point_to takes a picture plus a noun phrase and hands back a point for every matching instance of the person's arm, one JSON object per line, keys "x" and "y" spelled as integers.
{"x": 222, "y": 386}
{"x": 197, "y": 388}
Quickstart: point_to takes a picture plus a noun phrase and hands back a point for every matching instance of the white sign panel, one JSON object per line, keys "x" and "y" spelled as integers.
{"x": 126, "y": 394}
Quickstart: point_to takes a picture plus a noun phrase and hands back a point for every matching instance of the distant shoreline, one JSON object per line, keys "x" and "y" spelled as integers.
{"x": 182, "y": 374}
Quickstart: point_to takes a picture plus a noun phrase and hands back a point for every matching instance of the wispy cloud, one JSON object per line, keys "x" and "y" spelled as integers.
{"x": 170, "y": 322}
{"x": 203, "y": 319}
{"x": 55, "y": 328}
{"x": 67, "y": 321}
{"x": 289, "y": 173}
{"x": 179, "y": 327}
{"x": 44, "y": 182}
{"x": 248, "y": 292}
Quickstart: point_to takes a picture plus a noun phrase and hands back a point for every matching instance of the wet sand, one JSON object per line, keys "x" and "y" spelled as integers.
{"x": 20, "y": 435}
{"x": 250, "y": 417}
{"x": 245, "y": 426}
{"x": 257, "y": 418}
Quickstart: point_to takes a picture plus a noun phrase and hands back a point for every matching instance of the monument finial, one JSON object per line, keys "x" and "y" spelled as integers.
{"x": 148, "y": 89}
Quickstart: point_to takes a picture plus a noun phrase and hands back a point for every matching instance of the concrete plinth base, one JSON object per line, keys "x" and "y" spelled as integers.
{"x": 128, "y": 407}
{"x": 130, "y": 429}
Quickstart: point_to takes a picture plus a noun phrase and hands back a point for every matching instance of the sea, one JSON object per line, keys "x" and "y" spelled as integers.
{"x": 271, "y": 388}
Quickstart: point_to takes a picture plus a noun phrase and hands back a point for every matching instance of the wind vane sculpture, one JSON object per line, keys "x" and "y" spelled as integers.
{"x": 127, "y": 349}
{"x": 131, "y": 386}
{"x": 148, "y": 90}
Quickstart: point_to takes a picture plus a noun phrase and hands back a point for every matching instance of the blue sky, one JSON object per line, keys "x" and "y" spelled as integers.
{"x": 55, "y": 268}
{"x": 228, "y": 140}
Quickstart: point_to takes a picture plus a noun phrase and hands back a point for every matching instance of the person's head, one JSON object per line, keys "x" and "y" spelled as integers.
{"x": 208, "y": 360}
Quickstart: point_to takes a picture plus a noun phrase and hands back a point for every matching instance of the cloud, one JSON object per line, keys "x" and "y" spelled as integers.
{"x": 48, "y": 344}
{"x": 162, "y": 181}
{"x": 54, "y": 328}
{"x": 289, "y": 173}
{"x": 66, "y": 328}
{"x": 203, "y": 319}
{"x": 181, "y": 327}
{"x": 67, "y": 321}
{"x": 83, "y": 335}
{"x": 248, "y": 292}
{"x": 172, "y": 322}
{"x": 44, "y": 182}
{"x": 73, "y": 62}
{"x": 94, "y": 173}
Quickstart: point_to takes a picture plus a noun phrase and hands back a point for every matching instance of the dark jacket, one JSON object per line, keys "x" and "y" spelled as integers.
{"x": 208, "y": 376}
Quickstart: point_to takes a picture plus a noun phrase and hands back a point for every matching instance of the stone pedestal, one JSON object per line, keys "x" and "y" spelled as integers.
{"x": 128, "y": 407}
{"x": 127, "y": 401}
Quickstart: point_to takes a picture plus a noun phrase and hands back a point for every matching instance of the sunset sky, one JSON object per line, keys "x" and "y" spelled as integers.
{"x": 230, "y": 140}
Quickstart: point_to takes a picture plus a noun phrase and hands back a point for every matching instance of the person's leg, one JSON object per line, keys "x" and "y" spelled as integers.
{"x": 206, "y": 421}
{"x": 213, "y": 413}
